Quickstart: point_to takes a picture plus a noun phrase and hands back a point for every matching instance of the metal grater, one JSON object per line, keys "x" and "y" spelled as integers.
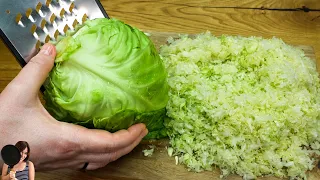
{"x": 25, "y": 25}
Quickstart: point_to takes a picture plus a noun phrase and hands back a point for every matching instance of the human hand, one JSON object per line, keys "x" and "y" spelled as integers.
{"x": 12, "y": 175}
{"x": 55, "y": 144}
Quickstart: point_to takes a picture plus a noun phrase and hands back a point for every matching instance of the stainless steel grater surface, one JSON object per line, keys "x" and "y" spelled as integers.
{"x": 27, "y": 24}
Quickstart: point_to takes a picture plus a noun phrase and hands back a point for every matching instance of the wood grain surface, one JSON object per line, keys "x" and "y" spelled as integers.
{"x": 268, "y": 4}
{"x": 284, "y": 19}
{"x": 294, "y": 27}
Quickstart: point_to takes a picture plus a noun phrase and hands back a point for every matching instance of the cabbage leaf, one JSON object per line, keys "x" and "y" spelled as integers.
{"x": 108, "y": 75}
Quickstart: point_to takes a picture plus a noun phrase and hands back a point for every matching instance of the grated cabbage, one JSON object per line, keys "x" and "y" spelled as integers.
{"x": 248, "y": 105}
{"x": 149, "y": 152}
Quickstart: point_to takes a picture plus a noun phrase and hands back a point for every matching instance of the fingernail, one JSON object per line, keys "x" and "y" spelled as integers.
{"x": 145, "y": 132}
{"x": 47, "y": 50}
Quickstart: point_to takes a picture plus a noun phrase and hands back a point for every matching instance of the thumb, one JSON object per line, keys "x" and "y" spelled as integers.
{"x": 33, "y": 75}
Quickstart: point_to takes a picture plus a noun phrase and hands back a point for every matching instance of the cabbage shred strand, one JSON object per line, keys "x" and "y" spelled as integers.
{"x": 248, "y": 105}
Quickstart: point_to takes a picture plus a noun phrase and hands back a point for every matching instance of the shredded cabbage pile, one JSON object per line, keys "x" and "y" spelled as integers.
{"x": 248, "y": 105}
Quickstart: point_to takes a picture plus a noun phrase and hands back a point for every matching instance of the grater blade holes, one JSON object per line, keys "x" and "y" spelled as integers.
{"x": 71, "y": 7}
{"x": 47, "y": 39}
{"x": 18, "y": 18}
{"x": 38, "y": 44}
{"x": 75, "y": 23}
{"x": 48, "y": 2}
{"x": 62, "y": 12}
{"x": 40, "y": 35}
{"x": 84, "y": 18}
{"x": 28, "y": 12}
{"x": 52, "y": 18}
{"x": 65, "y": 28}
{"x": 35, "y": 35}
{"x": 55, "y": 35}
{"x": 38, "y": 6}
{"x": 33, "y": 28}
{"x": 43, "y": 23}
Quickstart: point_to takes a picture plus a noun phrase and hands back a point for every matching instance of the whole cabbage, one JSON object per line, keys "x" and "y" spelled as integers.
{"x": 108, "y": 75}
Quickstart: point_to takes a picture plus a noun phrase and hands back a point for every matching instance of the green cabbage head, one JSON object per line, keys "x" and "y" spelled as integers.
{"x": 108, "y": 75}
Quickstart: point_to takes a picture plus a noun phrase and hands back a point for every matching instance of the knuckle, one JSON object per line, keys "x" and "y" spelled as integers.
{"x": 37, "y": 61}
{"x": 67, "y": 147}
{"x": 111, "y": 146}
{"x": 114, "y": 156}
{"x": 66, "y": 142}
{"x": 40, "y": 61}
{"x": 114, "y": 145}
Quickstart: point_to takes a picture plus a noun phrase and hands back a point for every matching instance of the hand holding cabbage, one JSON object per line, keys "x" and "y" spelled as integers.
{"x": 56, "y": 144}
{"x": 108, "y": 75}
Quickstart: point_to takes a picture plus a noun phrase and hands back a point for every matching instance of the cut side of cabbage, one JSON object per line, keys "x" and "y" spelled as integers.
{"x": 248, "y": 105}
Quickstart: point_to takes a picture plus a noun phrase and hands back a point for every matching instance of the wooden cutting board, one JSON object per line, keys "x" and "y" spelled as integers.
{"x": 134, "y": 165}
{"x": 160, "y": 165}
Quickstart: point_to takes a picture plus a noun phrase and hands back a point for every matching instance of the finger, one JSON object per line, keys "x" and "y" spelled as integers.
{"x": 77, "y": 165}
{"x": 93, "y": 166}
{"x": 83, "y": 141}
{"x": 34, "y": 73}
{"x": 112, "y": 156}
{"x": 61, "y": 165}
{"x": 117, "y": 154}
{"x": 101, "y": 141}
{"x": 124, "y": 138}
{"x": 71, "y": 165}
